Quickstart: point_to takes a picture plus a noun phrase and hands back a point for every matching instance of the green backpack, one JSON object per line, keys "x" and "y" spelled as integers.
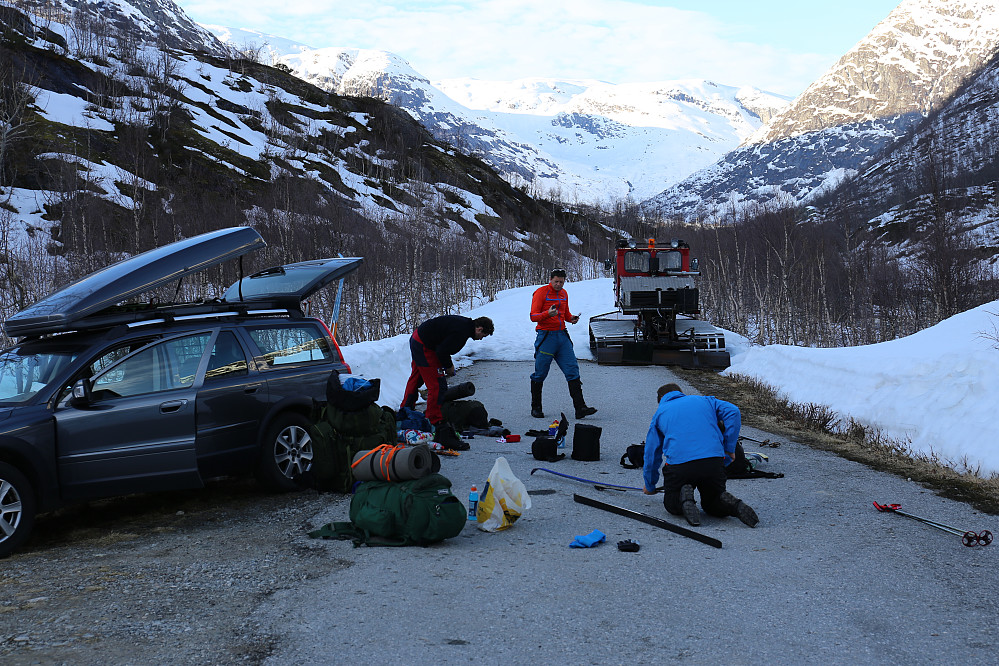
{"x": 337, "y": 435}
{"x": 400, "y": 513}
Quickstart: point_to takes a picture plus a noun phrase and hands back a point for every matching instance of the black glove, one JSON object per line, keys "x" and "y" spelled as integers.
{"x": 628, "y": 546}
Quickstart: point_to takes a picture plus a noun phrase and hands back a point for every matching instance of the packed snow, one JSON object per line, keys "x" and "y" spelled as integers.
{"x": 931, "y": 391}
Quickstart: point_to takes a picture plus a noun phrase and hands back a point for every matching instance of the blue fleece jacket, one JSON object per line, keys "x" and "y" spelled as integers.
{"x": 685, "y": 428}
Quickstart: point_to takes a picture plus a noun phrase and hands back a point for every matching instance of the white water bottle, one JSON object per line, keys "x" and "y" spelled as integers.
{"x": 473, "y": 504}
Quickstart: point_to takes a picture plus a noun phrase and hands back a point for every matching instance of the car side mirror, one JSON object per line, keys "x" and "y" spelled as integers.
{"x": 608, "y": 264}
{"x": 693, "y": 265}
{"x": 82, "y": 396}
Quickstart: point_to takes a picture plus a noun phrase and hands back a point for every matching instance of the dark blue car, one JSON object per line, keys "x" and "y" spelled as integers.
{"x": 101, "y": 398}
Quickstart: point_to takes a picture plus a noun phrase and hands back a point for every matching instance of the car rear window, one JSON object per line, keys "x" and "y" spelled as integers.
{"x": 298, "y": 343}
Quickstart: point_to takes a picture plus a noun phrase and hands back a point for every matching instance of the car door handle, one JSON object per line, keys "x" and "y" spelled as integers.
{"x": 172, "y": 406}
{"x": 252, "y": 388}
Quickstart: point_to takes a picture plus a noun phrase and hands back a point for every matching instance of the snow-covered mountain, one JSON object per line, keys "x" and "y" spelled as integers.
{"x": 908, "y": 65}
{"x": 113, "y": 144}
{"x": 583, "y": 140}
{"x": 154, "y": 21}
{"x": 948, "y": 166}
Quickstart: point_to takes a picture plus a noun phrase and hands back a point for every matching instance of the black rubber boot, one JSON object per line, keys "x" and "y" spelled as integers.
{"x": 576, "y": 391}
{"x": 739, "y": 509}
{"x": 536, "y": 399}
{"x": 690, "y": 510}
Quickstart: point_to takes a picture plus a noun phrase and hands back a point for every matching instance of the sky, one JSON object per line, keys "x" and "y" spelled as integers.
{"x": 777, "y": 45}
{"x": 933, "y": 391}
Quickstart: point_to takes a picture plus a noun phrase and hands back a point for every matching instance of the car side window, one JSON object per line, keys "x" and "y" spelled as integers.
{"x": 107, "y": 358}
{"x": 227, "y": 358}
{"x": 156, "y": 368}
{"x": 115, "y": 354}
{"x": 296, "y": 343}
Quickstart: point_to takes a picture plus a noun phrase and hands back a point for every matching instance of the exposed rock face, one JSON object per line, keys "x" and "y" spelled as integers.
{"x": 906, "y": 67}
{"x": 949, "y": 164}
{"x": 160, "y": 22}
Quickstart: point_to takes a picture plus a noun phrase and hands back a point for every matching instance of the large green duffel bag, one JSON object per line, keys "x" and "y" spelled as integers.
{"x": 400, "y": 513}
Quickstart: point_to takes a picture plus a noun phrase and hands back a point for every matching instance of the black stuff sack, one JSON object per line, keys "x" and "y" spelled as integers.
{"x": 351, "y": 394}
{"x": 545, "y": 449}
{"x": 634, "y": 457}
{"x": 586, "y": 442}
{"x": 464, "y": 414}
{"x": 420, "y": 512}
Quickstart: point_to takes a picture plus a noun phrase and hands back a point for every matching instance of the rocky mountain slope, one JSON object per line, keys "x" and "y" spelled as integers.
{"x": 578, "y": 140}
{"x": 945, "y": 172}
{"x": 909, "y": 65}
{"x": 152, "y": 21}
{"x": 112, "y": 144}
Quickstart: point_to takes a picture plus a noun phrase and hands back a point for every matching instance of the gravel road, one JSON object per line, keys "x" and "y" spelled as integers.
{"x": 227, "y": 575}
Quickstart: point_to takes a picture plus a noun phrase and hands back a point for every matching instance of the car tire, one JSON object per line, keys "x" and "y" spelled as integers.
{"x": 286, "y": 453}
{"x": 17, "y": 509}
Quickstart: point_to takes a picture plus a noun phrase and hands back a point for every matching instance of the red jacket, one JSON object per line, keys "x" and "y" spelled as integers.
{"x": 543, "y": 299}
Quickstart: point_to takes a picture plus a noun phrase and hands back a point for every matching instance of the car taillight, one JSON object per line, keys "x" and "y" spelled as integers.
{"x": 336, "y": 347}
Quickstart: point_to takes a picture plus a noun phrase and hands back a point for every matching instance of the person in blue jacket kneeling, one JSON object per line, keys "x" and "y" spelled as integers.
{"x": 697, "y": 437}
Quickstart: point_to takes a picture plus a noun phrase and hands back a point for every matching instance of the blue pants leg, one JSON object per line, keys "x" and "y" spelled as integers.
{"x": 565, "y": 357}
{"x": 543, "y": 356}
{"x": 554, "y": 346}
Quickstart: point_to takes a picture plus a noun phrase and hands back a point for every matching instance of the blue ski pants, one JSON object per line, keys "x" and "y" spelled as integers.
{"x": 554, "y": 346}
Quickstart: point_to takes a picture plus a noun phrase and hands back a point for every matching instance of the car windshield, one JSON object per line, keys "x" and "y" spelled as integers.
{"x": 25, "y": 371}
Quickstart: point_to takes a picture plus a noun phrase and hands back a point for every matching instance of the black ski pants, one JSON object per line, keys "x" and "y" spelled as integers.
{"x": 707, "y": 475}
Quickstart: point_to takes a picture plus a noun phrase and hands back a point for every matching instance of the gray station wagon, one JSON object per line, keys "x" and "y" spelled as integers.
{"x": 100, "y": 398}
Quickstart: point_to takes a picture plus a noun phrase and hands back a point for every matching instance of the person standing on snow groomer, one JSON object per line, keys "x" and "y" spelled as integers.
{"x": 550, "y": 308}
{"x": 431, "y": 345}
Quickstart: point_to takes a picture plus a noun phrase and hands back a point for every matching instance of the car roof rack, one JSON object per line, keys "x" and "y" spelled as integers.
{"x": 135, "y": 316}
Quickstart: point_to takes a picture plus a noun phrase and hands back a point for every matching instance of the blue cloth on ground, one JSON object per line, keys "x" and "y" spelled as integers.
{"x": 589, "y": 540}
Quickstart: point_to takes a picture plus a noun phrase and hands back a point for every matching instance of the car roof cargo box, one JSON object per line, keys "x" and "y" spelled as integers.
{"x": 290, "y": 284}
{"x": 102, "y": 289}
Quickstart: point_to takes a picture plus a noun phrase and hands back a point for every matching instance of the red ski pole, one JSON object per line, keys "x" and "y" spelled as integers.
{"x": 968, "y": 537}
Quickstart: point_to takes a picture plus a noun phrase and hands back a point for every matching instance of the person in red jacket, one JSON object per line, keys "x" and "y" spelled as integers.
{"x": 550, "y": 309}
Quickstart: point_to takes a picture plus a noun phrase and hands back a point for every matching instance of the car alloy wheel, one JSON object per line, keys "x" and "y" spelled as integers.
{"x": 17, "y": 509}
{"x": 293, "y": 451}
{"x": 10, "y": 510}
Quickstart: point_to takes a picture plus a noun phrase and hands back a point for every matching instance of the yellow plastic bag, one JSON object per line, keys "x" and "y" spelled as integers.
{"x": 503, "y": 500}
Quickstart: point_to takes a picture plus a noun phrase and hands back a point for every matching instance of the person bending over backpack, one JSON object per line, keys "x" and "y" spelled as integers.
{"x": 431, "y": 346}
{"x": 697, "y": 436}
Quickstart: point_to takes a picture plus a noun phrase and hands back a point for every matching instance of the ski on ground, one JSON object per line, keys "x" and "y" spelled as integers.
{"x": 651, "y": 520}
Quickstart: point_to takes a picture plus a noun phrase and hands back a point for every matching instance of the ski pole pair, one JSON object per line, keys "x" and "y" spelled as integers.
{"x": 968, "y": 537}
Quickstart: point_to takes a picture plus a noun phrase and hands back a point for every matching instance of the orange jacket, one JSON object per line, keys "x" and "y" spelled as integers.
{"x": 543, "y": 299}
